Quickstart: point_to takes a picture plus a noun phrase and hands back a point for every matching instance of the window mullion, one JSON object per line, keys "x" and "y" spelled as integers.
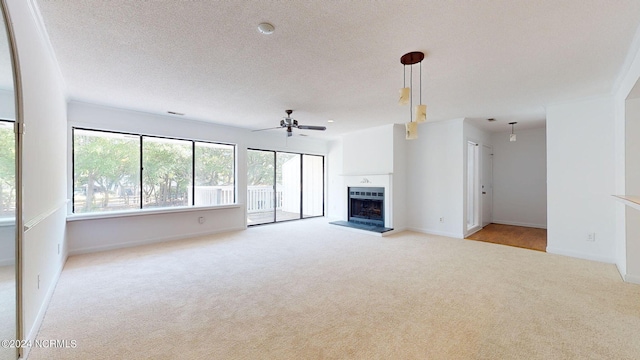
{"x": 141, "y": 170}
{"x": 193, "y": 173}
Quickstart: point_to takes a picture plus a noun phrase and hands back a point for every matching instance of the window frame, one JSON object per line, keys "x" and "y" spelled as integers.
{"x": 141, "y": 209}
{"x": 10, "y": 218}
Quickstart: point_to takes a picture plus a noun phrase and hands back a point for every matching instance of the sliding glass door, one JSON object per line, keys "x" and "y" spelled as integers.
{"x": 288, "y": 186}
{"x": 283, "y": 186}
{"x": 260, "y": 187}
{"x": 312, "y": 185}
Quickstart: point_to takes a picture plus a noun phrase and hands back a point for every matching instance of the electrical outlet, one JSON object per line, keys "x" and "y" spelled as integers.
{"x": 591, "y": 237}
{"x": 201, "y": 220}
{"x": 442, "y": 219}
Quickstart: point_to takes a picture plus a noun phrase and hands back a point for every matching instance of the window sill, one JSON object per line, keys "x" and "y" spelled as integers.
{"x": 128, "y": 213}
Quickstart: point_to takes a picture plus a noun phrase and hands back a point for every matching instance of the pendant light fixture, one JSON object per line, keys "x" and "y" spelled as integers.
{"x": 419, "y": 113}
{"x": 512, "y": 136}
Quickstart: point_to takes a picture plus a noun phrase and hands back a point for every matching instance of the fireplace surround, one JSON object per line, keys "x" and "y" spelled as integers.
{"x": 366, "y": 205}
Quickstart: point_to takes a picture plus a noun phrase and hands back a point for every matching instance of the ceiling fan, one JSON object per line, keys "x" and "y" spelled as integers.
{"x": 289, "y": 123}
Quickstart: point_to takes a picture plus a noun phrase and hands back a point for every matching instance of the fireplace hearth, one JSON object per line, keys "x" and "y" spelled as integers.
{"x": 366, "y": 209}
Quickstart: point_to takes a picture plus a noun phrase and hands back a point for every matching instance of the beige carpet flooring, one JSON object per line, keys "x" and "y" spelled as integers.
{"x": 7, "y": 309}
{"x": 310, "y": 290}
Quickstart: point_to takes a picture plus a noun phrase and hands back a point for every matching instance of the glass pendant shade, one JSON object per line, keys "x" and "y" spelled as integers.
{"x": 412, "y": 130}
{"x": 512, "y": 136}
{"x": 420, "y": 113}
{"x": 405, "y": 94}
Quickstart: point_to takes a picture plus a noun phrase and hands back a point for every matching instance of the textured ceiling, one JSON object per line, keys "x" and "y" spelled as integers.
{"x": 339, "y": 60}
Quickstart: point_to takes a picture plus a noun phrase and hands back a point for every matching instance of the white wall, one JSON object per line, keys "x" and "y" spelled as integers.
{"x": 399, "y": 177}
{"x": 44, "y": 162}
{"x": 520, "y": 178}
{"x": 632, "y": 187}
{"x": 368, "y": 151}
{"x": 435, "y": 179}
{"x": 117, "y": 232}
{"x": 99, "y": 234}
{"x": 336, "y": 191}
{"x": 580, "y": 179}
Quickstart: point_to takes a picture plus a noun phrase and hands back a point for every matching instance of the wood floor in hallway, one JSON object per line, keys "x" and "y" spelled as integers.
{"x": 518, "y": 236}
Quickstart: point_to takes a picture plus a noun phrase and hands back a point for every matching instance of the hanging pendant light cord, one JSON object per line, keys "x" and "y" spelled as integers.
{"x": 404, "y": 76}
{"x": 411, "y": 95}
{"x": 420, "y": 82}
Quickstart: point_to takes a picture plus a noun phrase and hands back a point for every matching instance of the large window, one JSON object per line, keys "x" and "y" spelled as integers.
{"x": 116, "y": 171}
{"x": 283, "y": 186}
{"x": 167, "y": 172}
{"x": 7, "y": 170}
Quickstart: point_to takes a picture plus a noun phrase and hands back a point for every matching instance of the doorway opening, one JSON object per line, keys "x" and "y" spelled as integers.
{"x": 473, "y": 182}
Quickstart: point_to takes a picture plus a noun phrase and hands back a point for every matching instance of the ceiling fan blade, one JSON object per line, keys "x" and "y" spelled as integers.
{"x": 271, "y": 128}
{"x": 311, "y": 127}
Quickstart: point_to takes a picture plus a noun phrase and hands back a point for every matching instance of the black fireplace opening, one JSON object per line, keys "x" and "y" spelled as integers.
{"x": 366, "y": 205}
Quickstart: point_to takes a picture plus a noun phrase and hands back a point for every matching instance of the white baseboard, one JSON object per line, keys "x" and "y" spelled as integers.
{"x": 93, "y": 249}
{"x": 579, "y": 255}
{"x": 622, "y": 270}
{"x": 516, "y": 223}
{"x": 634, "y": 279}
{"x": 394, "y": 231}
{"x": 436, "y": 232}
{"x": 472, "y": 231}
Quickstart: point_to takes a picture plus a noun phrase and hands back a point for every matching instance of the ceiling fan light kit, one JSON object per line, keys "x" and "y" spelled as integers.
{"x": 289, "y": 123}
{"x": 419, "y": 113}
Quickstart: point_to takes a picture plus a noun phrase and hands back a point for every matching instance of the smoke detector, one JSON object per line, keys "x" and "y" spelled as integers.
{"x": 266, "y": 28}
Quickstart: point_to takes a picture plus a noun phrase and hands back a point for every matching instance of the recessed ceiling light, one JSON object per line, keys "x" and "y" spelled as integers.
{"x": 330, "y": 120}
{"x": 266, "y": 28}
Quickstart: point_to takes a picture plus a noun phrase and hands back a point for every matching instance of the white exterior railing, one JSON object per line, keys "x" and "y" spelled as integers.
{"x": 213, "y": 195}
{"x": 259, "y": 198}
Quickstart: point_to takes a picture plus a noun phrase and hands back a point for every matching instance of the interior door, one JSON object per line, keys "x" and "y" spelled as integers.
{"x": 487, "y": 185}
